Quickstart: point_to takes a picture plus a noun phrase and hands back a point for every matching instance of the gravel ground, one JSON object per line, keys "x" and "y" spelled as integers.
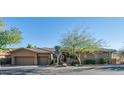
{"x": 70, "y": 70}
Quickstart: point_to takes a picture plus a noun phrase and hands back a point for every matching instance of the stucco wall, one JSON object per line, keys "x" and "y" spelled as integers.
{"x": 96, "y": 55}
{"x": 5, "y": 55}
{"x": 23, "y": 53}
{"x": 44, "y": 54}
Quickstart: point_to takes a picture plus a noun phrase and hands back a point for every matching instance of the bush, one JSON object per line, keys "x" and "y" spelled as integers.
{"x": 51, "y": 62}
{"x": 103, "y": 60}
{"x": 73, "y": 56}
{"x": 75, "y": 63}
{"x": 90, "y": 61}
{"x": 108, "y": 60}
{"x": 5, "y": 61}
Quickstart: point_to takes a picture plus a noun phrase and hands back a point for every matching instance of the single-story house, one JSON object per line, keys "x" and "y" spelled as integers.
{"x": 43, "y": 56}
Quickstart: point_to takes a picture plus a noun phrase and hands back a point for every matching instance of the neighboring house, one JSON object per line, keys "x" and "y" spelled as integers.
{"x": 5, "y": 55}
{"x": 5, "y": 58}
{"x": 43, "y": 56}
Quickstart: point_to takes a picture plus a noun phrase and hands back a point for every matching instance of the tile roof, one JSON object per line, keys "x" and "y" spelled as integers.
{"x": 107, "y": 50}
{"x": 51, "y": 50}
{"x": 37, "y": 50}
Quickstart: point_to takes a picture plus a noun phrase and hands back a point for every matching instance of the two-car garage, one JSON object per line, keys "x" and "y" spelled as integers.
{"x": 26, "y": 56}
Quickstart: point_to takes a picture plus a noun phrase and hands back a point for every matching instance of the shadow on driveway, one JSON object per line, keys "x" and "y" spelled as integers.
{"x": 112, "y": 68}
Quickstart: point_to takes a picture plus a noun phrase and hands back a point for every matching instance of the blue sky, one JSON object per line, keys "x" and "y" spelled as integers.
{"x": 47, "y": 31}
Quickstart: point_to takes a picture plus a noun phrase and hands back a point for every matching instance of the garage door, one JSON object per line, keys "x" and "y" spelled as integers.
{"x": 43, "y": 61}
{"x": 24, "y": 60}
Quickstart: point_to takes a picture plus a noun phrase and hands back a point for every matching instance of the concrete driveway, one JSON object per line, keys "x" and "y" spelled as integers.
{"x": 70, "y": 70}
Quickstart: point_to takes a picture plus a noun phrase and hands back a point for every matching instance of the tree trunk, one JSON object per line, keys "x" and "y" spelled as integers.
{"x": 54, "y": 61}
{"x": 61, "y": 59}
{"x": 57, "y": 60}
{"x": 79, "y": 59}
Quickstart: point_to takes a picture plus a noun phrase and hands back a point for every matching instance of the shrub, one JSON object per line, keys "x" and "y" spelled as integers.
{"x": 51, "y": 62}
{"x": 5, "y": 61}
{"x": 103, "y": 60}
{"x": 75, "y": 63}
{"x": 108, "y": 60}
{"x": 90, "y": 61}
{"x": 73, "y": 56}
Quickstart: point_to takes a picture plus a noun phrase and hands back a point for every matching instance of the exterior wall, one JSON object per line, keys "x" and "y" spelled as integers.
{"x": 104, "y": 55}
{"x": 44, "y": 54}
{"x": 116, "y": 58}
{"x": 23, "y": 53}
{"x": 5, "y": 55}
{"x": 96, "y": 56}
{"x": 113, "y": 56}
{"x": 119, "y": 59}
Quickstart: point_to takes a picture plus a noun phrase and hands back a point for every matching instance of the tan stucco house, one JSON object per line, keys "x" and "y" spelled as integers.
{"x": 43, "y": 56}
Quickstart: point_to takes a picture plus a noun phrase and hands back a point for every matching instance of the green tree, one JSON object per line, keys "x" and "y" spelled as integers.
{"x": 10, "y": 37}
{"x": 30, "y": 46}
{"x": 1, "y": 24}
{"x": 57, "y": 53}
{"x": 78, "y": 41}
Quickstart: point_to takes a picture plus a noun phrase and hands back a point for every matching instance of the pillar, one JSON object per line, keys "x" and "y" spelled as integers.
{"x": 13, "y": 60}
{"x": 51, "y": 57}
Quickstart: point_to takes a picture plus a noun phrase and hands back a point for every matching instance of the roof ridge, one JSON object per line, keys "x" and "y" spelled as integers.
{"x": 46, "y": 49}
{"x": 37, "y": 50}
